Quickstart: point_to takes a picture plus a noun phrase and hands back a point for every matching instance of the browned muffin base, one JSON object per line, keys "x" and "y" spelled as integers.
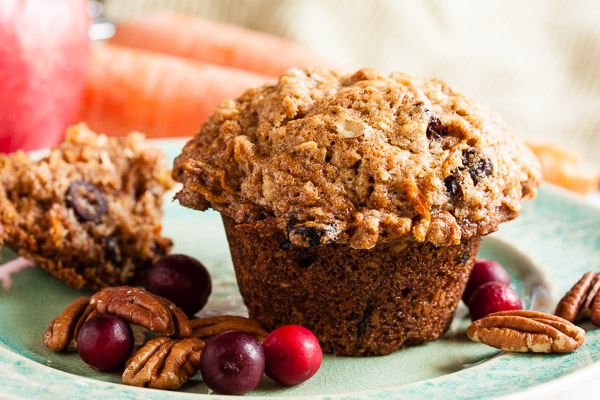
{"x": 357, "y": 302}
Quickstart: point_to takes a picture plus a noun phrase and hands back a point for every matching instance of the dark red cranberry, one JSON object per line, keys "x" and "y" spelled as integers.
{"x": 293, "y": 354}
{"x": 181, "y": 279}
{"x": 492, "y": 297}
{"x": 484, "y": 271}
{"x": 87, "y": 200}
{"x": 105, "y": 342}
{"x": 232, "y": 362}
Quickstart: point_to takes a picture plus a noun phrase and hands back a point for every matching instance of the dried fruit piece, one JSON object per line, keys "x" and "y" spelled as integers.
{"x": 453, "y": 187}
{"x": 580, "y": 297}
{"x": 87, "y": 200}
{"x": 163, "y": 363}
{"x": 63, "y": 330}
{"x": 205, "y": 328}
{"x": 527, "y": 331}
{"x": 477, "y": 166}
{"x": 436, "y": 129}
{"x": 311, "y": 233}
{"x": 143, "y": 308}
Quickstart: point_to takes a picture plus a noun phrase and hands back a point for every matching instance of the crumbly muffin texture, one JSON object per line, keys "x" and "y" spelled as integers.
{"x": 90, "y": 211}
{"x": 358, "y": 159}
{"x": 357, "y": 302}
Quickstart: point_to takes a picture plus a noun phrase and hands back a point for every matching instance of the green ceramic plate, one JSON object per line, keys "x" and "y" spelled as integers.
{"x": 546, "y": 250}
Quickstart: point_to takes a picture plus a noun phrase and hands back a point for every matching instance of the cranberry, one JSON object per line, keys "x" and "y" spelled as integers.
{"x": 293, "y": 354}
{"x": 493, "y": 297}
{"x": 181, "y": 279}
{"x": 105, "y": 342}
{"x": 484, "y": 271}
{"x": 232, "y": 362}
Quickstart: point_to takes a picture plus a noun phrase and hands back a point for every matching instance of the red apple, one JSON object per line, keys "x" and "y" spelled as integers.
{"x": 44, "y": 50}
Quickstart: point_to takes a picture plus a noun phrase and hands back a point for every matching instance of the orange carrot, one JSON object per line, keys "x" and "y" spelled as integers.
{"x": 209, "y": 41}
{"x": 157, "y": 94}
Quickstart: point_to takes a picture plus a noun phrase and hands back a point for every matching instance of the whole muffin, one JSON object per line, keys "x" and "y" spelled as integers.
{"x": 354, "y": 205}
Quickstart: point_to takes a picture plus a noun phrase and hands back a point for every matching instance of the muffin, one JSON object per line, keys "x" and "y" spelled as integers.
{"x": 354, "y": 205}
{"x": 90, "y": 211}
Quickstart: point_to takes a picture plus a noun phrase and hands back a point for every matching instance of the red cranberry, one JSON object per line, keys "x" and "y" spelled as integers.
{"x": 181, "y": 279}
{"x": 484, "y": 271}
{"x": 232, "y": 362}
{"x": 493, "y": 297}
{"x": 105, "y": 342}
{"x": 293, "y": 354}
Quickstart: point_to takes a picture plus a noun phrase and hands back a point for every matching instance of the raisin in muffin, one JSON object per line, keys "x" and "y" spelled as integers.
{"x": 90, "y": 211}
{"x": 354, "y": 205}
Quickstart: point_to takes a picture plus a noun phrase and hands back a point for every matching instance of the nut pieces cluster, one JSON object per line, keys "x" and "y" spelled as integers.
{"x": 165, "y": 362}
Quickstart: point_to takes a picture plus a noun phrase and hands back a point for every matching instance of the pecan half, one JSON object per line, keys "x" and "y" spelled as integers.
{"x": 62, "y": 331}
{"x": 205, "y": 328}
{"x": 143, "y": 308}
{"x": 582, "y": 300}
{"x": 163, "y": 363}
{"x": 527, "y": 331}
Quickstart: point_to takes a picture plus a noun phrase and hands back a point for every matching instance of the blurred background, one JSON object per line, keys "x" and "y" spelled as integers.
{"x": 171, "y": 62}
{"x": 535, "y": 62}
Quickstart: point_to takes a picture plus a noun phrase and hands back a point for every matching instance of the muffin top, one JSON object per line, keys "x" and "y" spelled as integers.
{"x": 358, "y": 159}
